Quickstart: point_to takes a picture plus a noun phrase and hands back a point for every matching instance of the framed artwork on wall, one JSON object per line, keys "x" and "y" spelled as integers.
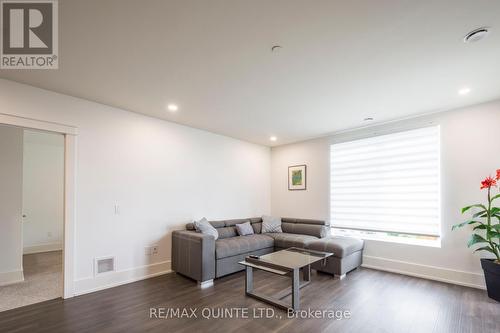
{"x": 297, "y": 177}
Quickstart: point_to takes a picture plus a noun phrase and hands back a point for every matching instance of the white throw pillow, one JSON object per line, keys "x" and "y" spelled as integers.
{"x": 244, "y": 229}
{"x": 206, "y": 228}
{"x": 271, "y": 224}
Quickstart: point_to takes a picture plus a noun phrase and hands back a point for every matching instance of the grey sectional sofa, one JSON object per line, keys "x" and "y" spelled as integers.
{"x": 202, "y": 258}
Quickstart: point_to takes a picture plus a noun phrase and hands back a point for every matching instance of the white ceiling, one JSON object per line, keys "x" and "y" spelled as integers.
{"x": 341, "y": 61}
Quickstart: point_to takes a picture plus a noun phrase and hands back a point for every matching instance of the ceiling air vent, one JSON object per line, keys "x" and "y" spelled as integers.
{"x": 476, "y": 35}
{"x": 104, "y": 265}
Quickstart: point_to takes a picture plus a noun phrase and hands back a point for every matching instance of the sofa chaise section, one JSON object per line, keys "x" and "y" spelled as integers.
{"x": 347, "y": 254}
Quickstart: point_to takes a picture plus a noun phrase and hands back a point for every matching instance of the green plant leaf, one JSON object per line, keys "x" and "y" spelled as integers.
{"x": 475, "y": 239}
{"x": 480, "y": 214}
{"x": 481, "y": 226}
{"x": 495, "y": 197}
{"x": 496, "y": 227}
{"x": 472, "y": 206}
{"x": 492, "y": 234}
{"x": 485, "y": 248}
{"x": 460, "y": 225}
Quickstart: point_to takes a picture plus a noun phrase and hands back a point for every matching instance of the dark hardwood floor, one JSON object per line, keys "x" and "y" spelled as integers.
{"x": 377, "y": 301}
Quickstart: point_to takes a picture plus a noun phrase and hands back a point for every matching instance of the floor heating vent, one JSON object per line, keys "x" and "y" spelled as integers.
{"x": 104, "y": 265}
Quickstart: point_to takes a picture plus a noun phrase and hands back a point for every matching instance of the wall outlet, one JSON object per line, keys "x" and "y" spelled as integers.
{"x": 117, "y": 209}
{"x": 151, "y": 250}
{"x": 49, "y": 234}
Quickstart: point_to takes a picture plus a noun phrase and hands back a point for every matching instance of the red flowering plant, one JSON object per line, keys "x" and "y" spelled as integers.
{"x": 484, "y": 220}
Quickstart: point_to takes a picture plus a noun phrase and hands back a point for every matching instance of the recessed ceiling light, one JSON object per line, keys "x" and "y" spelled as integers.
{"x": 273, "y": 138}
{"x": 476, "y": 35}
{"x": 464, "y": 91}
{"x": 368, "y": 119}
{"x": 172, "y": 107}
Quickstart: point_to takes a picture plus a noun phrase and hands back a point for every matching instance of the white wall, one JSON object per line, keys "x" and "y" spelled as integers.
{"x": 470, "y": 140}
{"x": 160, "y": 174}
{"x": 43, "y": 191}
{"x": 11, "y": 168}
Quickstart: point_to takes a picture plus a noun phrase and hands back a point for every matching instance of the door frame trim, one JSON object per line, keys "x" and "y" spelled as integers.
{"x": 70, "y": 157}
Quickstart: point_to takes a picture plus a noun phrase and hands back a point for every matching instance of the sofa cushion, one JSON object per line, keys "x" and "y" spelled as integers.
{"x": 311, "y": 229}
{"x": 303, "y": 221}
{"x": 244, "y": 229}
{"x": 256, "y": 224}
{"x": 257, "y": 227}
{"x": 206, "y": 228}
{"x": 340, "y": 246}
{"x": 227, "y": 232}
{"x": 233, "y": 222}
{"x": 286, "y": 240}
{"x": 271, "y": 224}
{"x": 233, "y": 246}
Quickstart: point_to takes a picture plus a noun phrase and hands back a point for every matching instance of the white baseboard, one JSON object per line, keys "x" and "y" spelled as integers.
{"x": 7, "y": 278}
{"x": 113, "y": 279}
{"x": 47, "y": 247}
{"x": 462, "y": 278}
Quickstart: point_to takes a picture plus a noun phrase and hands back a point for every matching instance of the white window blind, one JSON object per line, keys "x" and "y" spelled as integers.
{"x": 388, "y": 183}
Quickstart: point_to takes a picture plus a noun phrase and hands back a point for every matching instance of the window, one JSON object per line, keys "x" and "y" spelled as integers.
{"x": 388, "y": 184}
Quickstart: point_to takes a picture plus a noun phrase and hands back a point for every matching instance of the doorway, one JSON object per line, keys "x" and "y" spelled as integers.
{"x": 70, "y": 143}
{"x": 31, "y": 216}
